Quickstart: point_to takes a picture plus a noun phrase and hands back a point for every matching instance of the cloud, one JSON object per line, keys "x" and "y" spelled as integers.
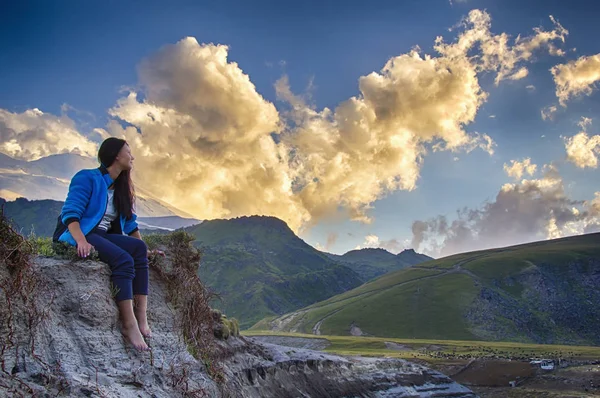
{"x": 520, "y": 74}
{"x": 391, "y": 245}
{"x": 34, "y": 134}
{"x": 496, "y": 52}
{"x": 548, "y": 112}
{"x": 526, "y": 211}
{"x": 331, "y": 239}
{"x": 517, "y": 169}
{"x": 530, "y": 87}
{"x": 583, "y": 150}
{"x": 202, "y": 137}
{"x": 584, "y": 122}
{"x": 576, "y": 78}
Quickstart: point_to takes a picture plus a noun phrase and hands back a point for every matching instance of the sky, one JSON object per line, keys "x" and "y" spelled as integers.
{"x": 444, "y": 126}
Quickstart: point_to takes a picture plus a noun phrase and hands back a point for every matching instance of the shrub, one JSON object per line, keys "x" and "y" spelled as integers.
{"x": 24, "y": 305}
{"x": 189, "y": 296}
{"x": 236, "y": 327}
{"x": 41, "y": 246}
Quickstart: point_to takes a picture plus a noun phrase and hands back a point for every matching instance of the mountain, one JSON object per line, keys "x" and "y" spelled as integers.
{"x": 169, "y": 223}
{"x": 261, "y": 268}
{"x": 370, "y": 263}
{"x": 543, "y": 292}
{"x": 49, "y": 178}
{"x": 39, "y": 216}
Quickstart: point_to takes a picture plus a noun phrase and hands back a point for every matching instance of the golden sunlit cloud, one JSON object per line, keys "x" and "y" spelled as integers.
{"x": 576, "y": 78}
{"x": 583, "y": 150}
{"x": 34, "y": 134}
{"x": 517, "y": 169}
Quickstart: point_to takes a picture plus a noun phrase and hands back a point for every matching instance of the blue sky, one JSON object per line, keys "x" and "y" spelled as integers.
{"x": 84, "y": 53}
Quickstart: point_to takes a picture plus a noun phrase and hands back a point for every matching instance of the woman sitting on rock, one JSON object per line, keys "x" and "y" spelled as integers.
{"x": 98, "y": 214}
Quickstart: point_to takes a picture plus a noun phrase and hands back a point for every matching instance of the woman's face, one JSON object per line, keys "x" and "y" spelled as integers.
{"x": 125, "y": 158}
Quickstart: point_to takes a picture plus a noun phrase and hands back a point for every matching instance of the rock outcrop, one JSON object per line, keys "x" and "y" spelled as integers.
{"x": 76, "y": 350}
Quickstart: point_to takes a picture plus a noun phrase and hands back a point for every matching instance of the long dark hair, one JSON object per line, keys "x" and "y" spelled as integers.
{"x": 124, "y": 197}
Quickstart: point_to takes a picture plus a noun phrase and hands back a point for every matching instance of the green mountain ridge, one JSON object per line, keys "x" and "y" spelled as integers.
{"x": 32, "y": 216}
{"x": 40, "y": 216}
{"x": 542, "y": 292}
{"x": 261, "y": 268}
{"x": 370, "y": 263}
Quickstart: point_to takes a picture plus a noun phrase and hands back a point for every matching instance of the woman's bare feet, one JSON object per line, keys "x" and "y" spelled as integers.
{"x": 130, "y": 328}
{"x": 142, "y": 320}
{"x": 140, "y": 309}
{"x": 132, "y": 333}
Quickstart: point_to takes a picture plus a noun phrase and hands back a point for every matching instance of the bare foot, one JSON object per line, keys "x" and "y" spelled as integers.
{"x": 132, "y": 334}
{"x": 142, "y": 320}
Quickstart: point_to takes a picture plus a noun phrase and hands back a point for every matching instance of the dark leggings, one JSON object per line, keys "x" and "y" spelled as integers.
{"x": 127, "y": 258}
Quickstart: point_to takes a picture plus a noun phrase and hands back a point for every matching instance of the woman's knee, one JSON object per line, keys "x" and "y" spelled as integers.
{"x": 141, "y": 249}
{"x": 123, "y": 265}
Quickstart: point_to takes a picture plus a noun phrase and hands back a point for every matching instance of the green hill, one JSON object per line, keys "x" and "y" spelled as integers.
{"x": 38, "y": 216}
{"x": 543, "y": 292}
{"x": 261, "y": 268}
{"x": 370, "y": 263}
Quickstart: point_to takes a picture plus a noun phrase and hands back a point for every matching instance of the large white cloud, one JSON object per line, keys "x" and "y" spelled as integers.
{"x": 202, "y": 137}
{"x": 34, "y": 134}
{"x": 576, "y": 78}
{"x": 527, "y": 211}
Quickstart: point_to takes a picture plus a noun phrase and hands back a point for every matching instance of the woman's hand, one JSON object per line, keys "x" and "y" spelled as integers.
{"x": 84, "y": 248}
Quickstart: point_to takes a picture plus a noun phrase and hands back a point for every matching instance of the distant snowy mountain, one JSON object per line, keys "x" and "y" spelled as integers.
{"x": 49, "y": 178}
{"x": 169, "y": 223}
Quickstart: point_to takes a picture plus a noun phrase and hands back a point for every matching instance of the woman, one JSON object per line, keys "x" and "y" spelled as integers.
{"x": 98, "y": 214}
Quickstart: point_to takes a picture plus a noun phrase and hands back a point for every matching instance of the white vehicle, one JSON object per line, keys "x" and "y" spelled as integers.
{"x": 545, "y": 364}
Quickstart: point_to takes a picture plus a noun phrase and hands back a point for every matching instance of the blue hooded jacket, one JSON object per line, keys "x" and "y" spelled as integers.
{"x": 86, "y": 203}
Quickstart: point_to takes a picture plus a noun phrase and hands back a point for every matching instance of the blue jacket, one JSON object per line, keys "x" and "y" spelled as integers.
{"x": 86, "y": 202}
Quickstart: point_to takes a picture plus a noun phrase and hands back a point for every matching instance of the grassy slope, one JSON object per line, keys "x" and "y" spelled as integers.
{"x": 430, "y": 301}
{"x": 375, "y": 346}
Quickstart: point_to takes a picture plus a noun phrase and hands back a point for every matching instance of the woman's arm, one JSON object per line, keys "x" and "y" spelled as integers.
{"x": 83, "y": 247}
{"x": 136, "y": 234}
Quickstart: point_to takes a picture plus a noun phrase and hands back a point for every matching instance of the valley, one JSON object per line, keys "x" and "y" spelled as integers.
{"x": 487, "y": 368}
